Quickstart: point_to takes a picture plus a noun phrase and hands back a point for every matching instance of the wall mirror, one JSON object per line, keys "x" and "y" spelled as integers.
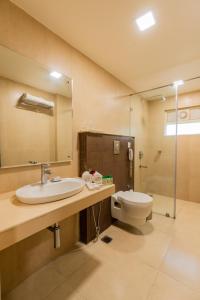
{"x": 35, "y": 112}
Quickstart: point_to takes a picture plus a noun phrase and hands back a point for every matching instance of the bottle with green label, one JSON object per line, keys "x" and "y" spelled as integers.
{"x": 107, "y": 179}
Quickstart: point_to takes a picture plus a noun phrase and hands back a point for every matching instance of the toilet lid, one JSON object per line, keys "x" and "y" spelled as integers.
{"x": 135, "y": 197}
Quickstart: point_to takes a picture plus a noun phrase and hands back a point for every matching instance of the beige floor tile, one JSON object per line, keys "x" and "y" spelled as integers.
{"x": 166, "y": 288}
{"x": 191, "y": 205}
{"x": 162, "y": 223}
{"x": 71, "y": 288}
{"x": 188, "y": 220}
{"x": 132, "y": 279}
{"x": 37, "y": 286}
{"x": 157, "y": 261}
{"x": 150, "y": 247}
{"x": 180, "y": 204}
{"x": 102, "y": 252}
{"x": 69, "y": 263}
{"x": 64, "y": 292}
{"x": 182, "y": 261}
{"x": 111, "y": 280}
{"x": 190, "y": 209}
{"x": 164, "y": 204}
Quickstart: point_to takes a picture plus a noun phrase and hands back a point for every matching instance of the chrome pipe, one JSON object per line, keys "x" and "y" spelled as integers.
{"x": 56, "y": 235}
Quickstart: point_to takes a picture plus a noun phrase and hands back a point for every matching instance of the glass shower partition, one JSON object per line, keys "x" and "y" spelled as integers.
{"x": 188, "y": 143}
{"x": 153, "y": 124}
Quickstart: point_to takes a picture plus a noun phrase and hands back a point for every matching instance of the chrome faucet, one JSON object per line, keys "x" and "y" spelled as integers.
{"x": 45, "y": 171}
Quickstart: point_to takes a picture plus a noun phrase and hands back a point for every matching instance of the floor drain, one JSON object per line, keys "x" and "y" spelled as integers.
{"x": 106, "y": 239}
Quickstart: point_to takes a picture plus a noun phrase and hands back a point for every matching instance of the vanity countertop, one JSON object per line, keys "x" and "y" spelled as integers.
{"x": 19, "y": 220}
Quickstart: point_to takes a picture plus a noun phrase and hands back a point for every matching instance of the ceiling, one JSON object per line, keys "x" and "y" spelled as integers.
{"x": 106, "y": 32}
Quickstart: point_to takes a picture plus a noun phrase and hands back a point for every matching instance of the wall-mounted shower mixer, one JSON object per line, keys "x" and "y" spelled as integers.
{"x": 141, "y": 155}
{"x": 56, "y": 233}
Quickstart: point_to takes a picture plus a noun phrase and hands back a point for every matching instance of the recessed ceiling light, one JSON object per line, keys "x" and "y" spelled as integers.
{"x": 56, "y": 74}
{"x": 178, "y": 83}
{"x": 146, "y": 21}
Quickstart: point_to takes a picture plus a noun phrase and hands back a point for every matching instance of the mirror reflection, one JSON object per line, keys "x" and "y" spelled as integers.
{"x": 35, "y": 112}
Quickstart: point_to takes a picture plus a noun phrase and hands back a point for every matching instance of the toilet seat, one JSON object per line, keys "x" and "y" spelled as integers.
{"x": 134, "y": 198}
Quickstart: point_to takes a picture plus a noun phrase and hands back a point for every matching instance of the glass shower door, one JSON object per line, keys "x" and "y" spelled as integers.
{"x": 152, "y": 114}
{"x": 188, "y": 143}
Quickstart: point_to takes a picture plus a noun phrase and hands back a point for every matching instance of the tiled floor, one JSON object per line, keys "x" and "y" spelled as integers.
{"x": 158, "y": 261}
{"x": 163, "y": 204}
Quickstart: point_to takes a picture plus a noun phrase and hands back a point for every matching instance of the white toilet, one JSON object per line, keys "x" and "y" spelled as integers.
{"x": 131, "y": 207}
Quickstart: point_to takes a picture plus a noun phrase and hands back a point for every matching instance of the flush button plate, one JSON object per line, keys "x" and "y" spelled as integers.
{"x": 116, "y": 148}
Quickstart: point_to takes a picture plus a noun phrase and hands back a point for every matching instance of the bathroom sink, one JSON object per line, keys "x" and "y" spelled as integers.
{"x": 50, "y": 191}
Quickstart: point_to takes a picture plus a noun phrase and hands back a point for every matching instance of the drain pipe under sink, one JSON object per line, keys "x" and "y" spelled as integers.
{"x": 56, "y": 233}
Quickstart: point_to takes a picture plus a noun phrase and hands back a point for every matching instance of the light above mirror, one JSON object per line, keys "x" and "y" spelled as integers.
{"x": 56, "y": 74}
{"x": 146, "y": 21}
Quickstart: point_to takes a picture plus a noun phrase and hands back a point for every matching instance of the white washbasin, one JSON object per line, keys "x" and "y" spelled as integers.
{"x": 50, "y": 191}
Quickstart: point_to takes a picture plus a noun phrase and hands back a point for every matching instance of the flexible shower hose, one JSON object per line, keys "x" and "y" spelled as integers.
{"x": 96, "y": 222}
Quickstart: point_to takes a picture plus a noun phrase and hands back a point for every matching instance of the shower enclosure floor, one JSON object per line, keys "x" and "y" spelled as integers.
{"x": 165, "y": 205}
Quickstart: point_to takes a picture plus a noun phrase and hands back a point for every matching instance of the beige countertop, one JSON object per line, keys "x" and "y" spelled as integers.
{"x": 19, "y": 220}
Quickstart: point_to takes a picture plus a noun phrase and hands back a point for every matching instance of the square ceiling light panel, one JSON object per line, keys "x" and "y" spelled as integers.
{"x": 146, "y": 21}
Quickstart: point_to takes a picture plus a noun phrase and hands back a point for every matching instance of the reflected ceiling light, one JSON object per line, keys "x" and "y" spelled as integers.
{"x": 178, "y": 83}
{"x": 146, "y": 21}
{"x": 56, "y": 74}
